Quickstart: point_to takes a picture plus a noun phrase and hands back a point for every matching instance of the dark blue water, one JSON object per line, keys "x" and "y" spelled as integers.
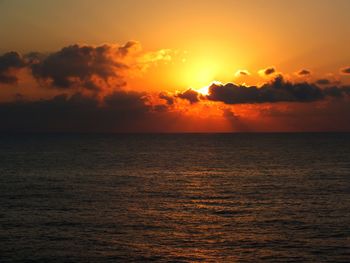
{"x": 175, "y": 198}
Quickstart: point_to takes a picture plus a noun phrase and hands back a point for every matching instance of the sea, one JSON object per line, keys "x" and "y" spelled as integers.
{"x": 241, "y": 197}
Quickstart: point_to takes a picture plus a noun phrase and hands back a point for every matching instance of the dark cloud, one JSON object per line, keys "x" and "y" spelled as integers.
{"x": 269, "y": 71}
{"x": 304, "y": 72}
{"x": 92, "y": 68}
{"x": 160, "y": 108}
{"x": 337, "y": 92}
{"x": 329, "y": 115}
{"x": 190, "y": 95}
{"x": 129, "y": 47}
{"x": 8, "y": 62}
{"x": 277, "y": 90}
{"x": 34, "y": 57}
{"x": 80, "y": 65}
{"x": 323, "y": 82}
{"x": 119, "y": 111}
{"x": 127, "y": 101}
{"x": 345, "y": 70}
{"x": 242, "y": 73}
{"x": 168, "y": 98}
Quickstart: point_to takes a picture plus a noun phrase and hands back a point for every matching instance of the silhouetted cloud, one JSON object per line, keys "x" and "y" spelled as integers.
{"x": 277, "y": 90}
{"x": 130, "y": 46}
{"x": 168, "y": 98}
{"x": 78, "y": 68}
{"x": 127, "y": 101}
{"x": 242, "y": 72}
{"x": 9, "y": 62}
{"x": 328, "y": 115}
{"x": 190, "y": 95}
{"x": 304, "y": 72}
{"x": 119, "y": 111}
{"x": 269, "y": 71}
{"x": 345, "y": 70}
{"x": 336, "y": 92}
{"x": 77, "y": 65}
{"x": 160, "y": 108}
{"x": 323, "y": 82}
{"x": 82, "y": 66}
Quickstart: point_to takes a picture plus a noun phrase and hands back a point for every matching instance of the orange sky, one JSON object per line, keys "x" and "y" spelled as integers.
{"x": 178, "y": 46}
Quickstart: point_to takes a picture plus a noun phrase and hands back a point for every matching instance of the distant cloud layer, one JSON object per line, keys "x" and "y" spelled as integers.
{"x": 119, "y": 111}
{"x": 74, "y": 70}
{"x": 81, "y": 65}
{"x": 304, "y": 72}
{"x": 89, "y": 83}
{"x": 323, "y": 82}
{"x": 345, "y": 70}
{"x": 9, "y": 63}
{"x": 277, "y": 90}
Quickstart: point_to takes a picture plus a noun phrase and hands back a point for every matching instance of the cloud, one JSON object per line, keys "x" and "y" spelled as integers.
{"x": 327, "y": 115}
{"x": 277, "y": 90}
{"x": 76, "y": 69}
{"x": 160, "y": 108}
{"x": 168, "y": 98}
{"x": 129, "y": 47}
{"x": 127, "y": 101}
{"x": 323, "y": 82}
{"x": 242, "y": 72}
{"x": 82, "y": 66}
{"x": 304, "y": 72}
{"x": 10, "y": 62}
{"x": 119, "y": 111}
{"x": 268, "y": 71}
{"x": 345, "y": 70}
{"x": 190, "y": 95}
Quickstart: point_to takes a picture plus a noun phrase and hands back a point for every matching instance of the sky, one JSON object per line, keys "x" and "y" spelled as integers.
{"x": 174, "y": 66}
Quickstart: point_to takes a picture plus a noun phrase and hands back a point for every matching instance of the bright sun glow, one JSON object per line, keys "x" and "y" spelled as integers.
{"x": 200, "y": 74}
{"x": 205, "y": 90}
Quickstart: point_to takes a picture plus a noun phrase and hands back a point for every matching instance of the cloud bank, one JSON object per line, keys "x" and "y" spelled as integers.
{"x": 9, "y": 63}
{"x": 277, "y": 90}
{"x": 92, "y": 96}
{"x": 119, "y": 111}
{"x": 82, "y": 66}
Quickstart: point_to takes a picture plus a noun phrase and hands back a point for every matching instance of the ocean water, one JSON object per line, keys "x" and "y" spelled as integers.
{"x": 175, "y": 197}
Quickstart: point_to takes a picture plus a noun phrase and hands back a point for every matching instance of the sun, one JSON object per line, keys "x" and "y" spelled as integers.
{"x": 205, "y": 90}
{"x": 200, "y": 69}
{"x": 200, "y": 74}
